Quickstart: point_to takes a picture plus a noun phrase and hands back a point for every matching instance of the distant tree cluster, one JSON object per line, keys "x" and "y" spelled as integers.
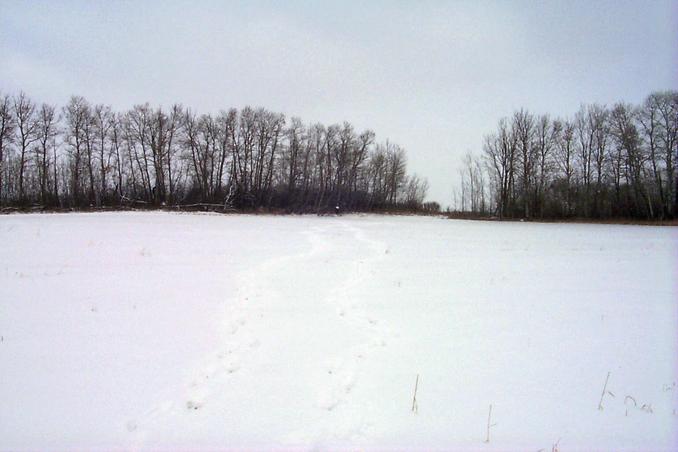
{"x": 602, "y": 163}
{"x": 85, "y": 155}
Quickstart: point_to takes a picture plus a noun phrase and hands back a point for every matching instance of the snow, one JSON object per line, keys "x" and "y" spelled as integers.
{"x": 149, "y": 331}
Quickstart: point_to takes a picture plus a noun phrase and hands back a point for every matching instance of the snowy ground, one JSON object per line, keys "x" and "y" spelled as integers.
{"x": 169, "y": 331}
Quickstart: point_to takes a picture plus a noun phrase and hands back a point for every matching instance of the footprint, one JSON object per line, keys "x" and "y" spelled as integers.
{"x": 379, "y": 342}
{"x": 348, "y": 384}
{"x": 211, "y": 369}
{"x": 328, "y": 401}
{"x": 232, "y": 365}
{"x": 232, "y": 346}
{"x": 191, "y": 405}
{"x": 333, "y": 364}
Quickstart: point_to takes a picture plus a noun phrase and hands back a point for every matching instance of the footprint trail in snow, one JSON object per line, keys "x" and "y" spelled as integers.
{"x": 276, "y": 319}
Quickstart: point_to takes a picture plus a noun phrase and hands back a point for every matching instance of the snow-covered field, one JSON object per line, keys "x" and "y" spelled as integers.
{"x": 170, "y": 331}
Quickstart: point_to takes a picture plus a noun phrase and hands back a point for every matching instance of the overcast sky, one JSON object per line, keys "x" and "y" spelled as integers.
{"x": 433, "y": 77}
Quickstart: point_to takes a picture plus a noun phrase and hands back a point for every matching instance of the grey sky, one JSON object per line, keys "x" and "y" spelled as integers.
{"x": 431, "y": 76}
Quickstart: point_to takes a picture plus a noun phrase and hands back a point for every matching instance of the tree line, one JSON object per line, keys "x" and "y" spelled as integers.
{"x": 604, "y": 162}
{"x": 85, "y": 155}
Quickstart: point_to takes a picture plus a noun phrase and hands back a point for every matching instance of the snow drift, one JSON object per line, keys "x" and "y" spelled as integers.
{"x": 168, "y": 331}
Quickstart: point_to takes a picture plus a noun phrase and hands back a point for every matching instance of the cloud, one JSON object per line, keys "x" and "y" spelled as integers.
{"x": 432, "y": 76}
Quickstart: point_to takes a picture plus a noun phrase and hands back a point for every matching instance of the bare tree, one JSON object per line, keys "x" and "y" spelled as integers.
{"x": 396, "y": 170}
{"x": 7, "y": 125}
{"x": 598, "y": 123}
{"x": 472, "y": 184}
{"x": 604, "y": 161}
{"x": 658, "y": 118}
{"x": 524, "y": 130}
{"x": 500, "y": 154}
{"x": 564, "y": 136}
{"x": 415, "y": 191}
{"x": 626, "y": 136}
{"x": 116, "y": 138}
{"x": 668, "y": 110}
{"x": 76, "y": 115}
{"x": 103, "y": 121}
{"x": 585, "y": 135}
{"x": 544, "y": 143}
{"x": 24, "y": 111}
{"x": 47, "y": 132}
